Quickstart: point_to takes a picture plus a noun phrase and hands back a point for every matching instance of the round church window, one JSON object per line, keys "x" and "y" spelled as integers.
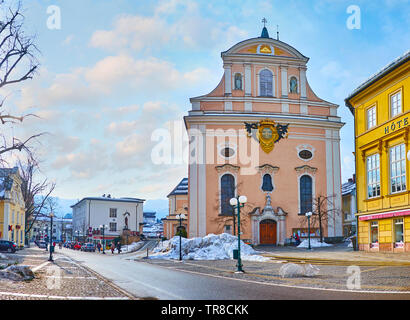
{"x": 227, "y": 152}
{"x": 305, "y": 154}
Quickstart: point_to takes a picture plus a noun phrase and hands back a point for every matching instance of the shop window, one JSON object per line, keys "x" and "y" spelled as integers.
{"x": 398, "y": 168}
{"x": 373, "y": 176}
{"x": 398, "y": 233}
{"x": 374, "y": 234}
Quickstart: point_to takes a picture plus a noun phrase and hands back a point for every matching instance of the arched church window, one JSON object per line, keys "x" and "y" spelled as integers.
{"x": 267, "y": 183}
{"x": 266, "y": 83}
{"x": 227, "y": 193}
{"x": 238, "y": 81}
{"x": 293, "y": 85}
{"x": 306, "y": 194}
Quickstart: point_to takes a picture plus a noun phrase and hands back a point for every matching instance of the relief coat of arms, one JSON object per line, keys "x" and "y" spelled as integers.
{"x": 267, "y": 133}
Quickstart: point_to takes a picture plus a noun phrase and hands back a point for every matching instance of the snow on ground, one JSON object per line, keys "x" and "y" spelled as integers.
{"x": 210, "y": 247}
{"x": 314, "y": 243}
{"x": 132, "y": 247}
{"x": 2, "y": 256}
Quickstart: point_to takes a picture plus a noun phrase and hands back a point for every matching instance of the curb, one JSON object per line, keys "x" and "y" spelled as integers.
{"x": 337, "y": 261}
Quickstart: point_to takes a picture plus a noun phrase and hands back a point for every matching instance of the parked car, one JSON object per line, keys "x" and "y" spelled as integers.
{"x": 8, "y": 246}
{"x": 42, "y": 244}
{"x": 90, "y": 247}
{"x": 77, "y": 246}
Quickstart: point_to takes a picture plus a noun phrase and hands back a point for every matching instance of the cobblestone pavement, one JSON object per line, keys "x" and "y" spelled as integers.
{"x": 374, "y": 279}
{"x": 61, "y": 279}
{"x": 336, "y": 253}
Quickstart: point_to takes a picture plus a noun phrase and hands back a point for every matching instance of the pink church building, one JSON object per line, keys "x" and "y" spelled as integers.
{"x": 238, "y": 147}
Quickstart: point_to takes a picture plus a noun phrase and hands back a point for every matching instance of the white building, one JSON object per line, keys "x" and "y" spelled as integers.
{"x": 117, "y": 214}
{"x": 62, "y": 228}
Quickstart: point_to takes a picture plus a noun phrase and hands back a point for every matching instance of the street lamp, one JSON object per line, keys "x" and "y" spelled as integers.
{"x": 78, "y": 235}
{"x": 308, "y": 215}
{"x": 180, "y": 217}
{"x": 102, "y": 227}
{"x": 51, "y": 238}
{"x": 239, "y": 202}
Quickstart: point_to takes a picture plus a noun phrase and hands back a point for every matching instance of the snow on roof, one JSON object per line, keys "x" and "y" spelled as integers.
{"x": 348, "y": 187}
{"x": 135, "y": 200}
{"x": 181, "y": 188}
{"x": 392, "y": 65}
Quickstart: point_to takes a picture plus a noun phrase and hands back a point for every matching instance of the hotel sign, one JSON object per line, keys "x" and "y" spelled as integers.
{"x": 396, "y": 125}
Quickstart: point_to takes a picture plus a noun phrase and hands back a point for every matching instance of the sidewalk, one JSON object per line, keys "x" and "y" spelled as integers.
{"x": 338, "y": 254}
{"x": 63, "y": 279}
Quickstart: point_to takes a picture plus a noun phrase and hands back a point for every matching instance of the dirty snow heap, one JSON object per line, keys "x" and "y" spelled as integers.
{"x": 210, "y": 247}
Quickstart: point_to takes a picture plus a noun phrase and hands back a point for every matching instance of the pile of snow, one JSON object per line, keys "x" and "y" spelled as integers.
{"x": 314, "y": 243}
{"x": 292, "y": 270}
{"x": 3, "y": 257}
{"x": 132, "y": 247}
{"x": 210, "y": 247}
{"x": 17, "y": 273}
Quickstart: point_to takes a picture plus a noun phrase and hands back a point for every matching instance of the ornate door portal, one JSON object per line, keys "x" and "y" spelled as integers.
{"x": 267, "y": 232}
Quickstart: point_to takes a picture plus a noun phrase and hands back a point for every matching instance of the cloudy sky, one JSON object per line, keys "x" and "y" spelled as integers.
{"x": 118, "y": 70}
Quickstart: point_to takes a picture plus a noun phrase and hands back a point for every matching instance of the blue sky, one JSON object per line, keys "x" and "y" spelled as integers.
{"x": 117, "y": 70}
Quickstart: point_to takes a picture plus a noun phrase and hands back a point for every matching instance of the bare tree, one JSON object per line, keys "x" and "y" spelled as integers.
{"x": 323, "y": 210}
{"x": 230, "y": 214}
{"x": 18, "y": 63}
{"x": 35, "y": 192}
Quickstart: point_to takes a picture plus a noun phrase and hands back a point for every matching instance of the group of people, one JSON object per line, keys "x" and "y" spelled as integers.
{"x": 112, "y": 247}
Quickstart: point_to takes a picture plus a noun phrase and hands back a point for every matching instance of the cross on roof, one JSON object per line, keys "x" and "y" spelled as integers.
{"x": 264, "y": 21}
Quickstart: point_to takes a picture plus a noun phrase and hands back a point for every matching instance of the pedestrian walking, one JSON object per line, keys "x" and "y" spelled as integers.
{"x": 99, "y": 247}
{"x": 297, "y": 239}
{"x": 112, "y": 248}
{"x": 119, "y": 247}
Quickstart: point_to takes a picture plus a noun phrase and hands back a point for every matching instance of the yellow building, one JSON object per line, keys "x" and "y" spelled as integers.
{"x": 12, "y": 209}
{"x": 178, "y": 204}
{"x": 381, "y": 111}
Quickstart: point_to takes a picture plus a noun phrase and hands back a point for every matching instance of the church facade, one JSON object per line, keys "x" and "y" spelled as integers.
{"x": 263, "y": 133}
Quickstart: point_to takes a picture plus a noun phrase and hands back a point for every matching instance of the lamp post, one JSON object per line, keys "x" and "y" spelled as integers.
{"x": 51, "y": 238}
{"x": 180, "y": 217}
{"x": 102, "y": 227}
{"x": 78, "y": 234}
{"x": 238, "y": 203}
{"x": 308, "y": 215}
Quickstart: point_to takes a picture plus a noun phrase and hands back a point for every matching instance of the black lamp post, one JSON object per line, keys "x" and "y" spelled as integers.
{"x": 102, "y": 227}
{"x": 51, "y": 238}
{"x": 308, "y": 215}
{"x": 238, "y": 203}
{"x": 180, "y": 217}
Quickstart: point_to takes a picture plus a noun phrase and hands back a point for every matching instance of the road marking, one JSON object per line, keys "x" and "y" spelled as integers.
{"x": 59, "y": 297}
{"x": 290, "y": 286}
{"x": 40, "y": 266}
{"x": 91, "y": 278}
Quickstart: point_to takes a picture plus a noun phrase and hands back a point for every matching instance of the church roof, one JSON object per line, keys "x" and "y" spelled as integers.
{"x": 181, "y": 188}
{"x": 265, "y": 33}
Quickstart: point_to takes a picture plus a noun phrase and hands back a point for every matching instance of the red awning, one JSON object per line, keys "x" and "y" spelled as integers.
{"x": 385, "y": 215}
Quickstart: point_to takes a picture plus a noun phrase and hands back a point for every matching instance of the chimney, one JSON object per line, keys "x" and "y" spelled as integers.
{"x": 354, "y": 177}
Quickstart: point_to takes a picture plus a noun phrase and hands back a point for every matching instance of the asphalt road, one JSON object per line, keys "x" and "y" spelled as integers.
{"x": 146, "y": 280}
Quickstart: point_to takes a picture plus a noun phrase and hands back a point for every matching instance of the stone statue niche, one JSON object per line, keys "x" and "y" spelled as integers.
{"x": 238, "y": 81}
{"x": 293, "y": 85}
